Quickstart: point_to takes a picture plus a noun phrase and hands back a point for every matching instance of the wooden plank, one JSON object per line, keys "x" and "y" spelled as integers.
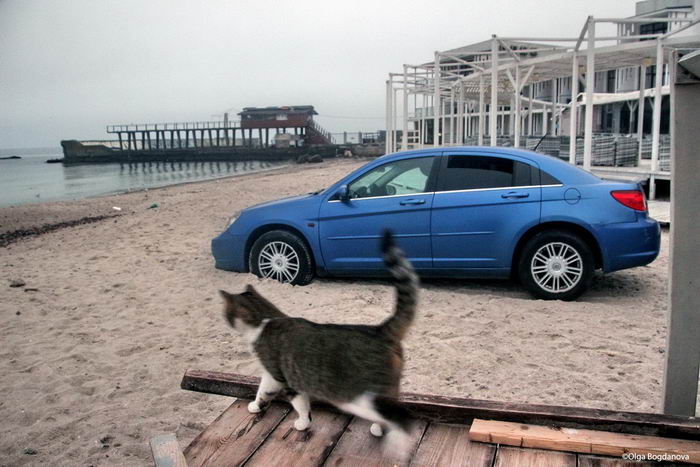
{"x": 166, "y": 451}
{"x": 518, "y": 457}
{"x": 462, "y": 410}
{"x": 357, "y": 447}
{"x": 449, "y": 445}
{"x": 585, "y": 460}
{"x": 234, "y": 435}
{"x": 583, "y": 441}
{"x": 288, "y": 447}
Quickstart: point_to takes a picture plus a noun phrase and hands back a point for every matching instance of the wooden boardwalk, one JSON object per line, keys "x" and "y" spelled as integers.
{"x": 335, "y": 439}
{"x": 439, "y": 435}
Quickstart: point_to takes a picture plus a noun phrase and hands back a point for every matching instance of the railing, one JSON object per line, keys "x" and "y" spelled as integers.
{"x": 213, "y": 125}
{"x": 321, "y": 131}
{"x": 360, "y": 137}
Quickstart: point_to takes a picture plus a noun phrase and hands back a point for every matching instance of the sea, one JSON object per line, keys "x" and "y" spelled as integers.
{"x": 31, "y": 180}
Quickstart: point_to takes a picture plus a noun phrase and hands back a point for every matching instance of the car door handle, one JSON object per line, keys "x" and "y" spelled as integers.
{"x": 514, "y": 194}
{"x": 405, "y": 202}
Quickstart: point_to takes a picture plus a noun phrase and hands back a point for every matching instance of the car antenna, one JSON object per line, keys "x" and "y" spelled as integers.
{"x": 538, "y": 143}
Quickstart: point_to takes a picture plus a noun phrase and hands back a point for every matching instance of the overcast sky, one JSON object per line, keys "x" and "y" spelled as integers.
{"x": 68, "y": 68}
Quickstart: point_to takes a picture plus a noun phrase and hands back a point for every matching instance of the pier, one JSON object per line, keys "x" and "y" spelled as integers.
{"x": 267, "y": 133}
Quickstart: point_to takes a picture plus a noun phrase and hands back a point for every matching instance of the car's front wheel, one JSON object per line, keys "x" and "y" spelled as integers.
{"x": 282, "y": 256}
{"x": 556, "y": 265}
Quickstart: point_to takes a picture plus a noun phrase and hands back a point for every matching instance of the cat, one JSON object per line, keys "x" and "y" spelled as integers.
{"x": 356, "y": 368}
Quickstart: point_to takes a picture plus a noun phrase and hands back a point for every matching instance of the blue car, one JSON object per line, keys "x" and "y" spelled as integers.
{"x": 470, "y": 212}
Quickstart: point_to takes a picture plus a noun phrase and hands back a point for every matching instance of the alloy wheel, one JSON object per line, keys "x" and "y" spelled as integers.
{"x": 279, "y": 261}
{"x": 556, "y": 267}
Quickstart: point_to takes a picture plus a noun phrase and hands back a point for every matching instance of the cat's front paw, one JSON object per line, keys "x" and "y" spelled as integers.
{"x": 302, "y": 424}
{"x": 253, "y": 407}
{"x": 376, "y": 430}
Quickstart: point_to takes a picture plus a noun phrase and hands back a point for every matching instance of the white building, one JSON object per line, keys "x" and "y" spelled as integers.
{"x": 512, "y": 91}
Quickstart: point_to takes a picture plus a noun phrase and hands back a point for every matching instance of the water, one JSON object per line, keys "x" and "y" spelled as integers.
{"x": 32, "y": 180}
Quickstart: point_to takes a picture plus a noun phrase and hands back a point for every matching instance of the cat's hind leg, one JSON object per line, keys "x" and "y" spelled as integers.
{"x": 386, "y": 414}
{"x": 302, "y": 405}
{"x": 268, "y": 389}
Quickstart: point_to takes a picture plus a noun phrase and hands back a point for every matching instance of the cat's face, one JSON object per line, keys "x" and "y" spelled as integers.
{"x": 248, "y": 309}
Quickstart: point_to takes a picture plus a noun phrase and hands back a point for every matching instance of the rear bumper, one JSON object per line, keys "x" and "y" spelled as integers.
{"x": 628, "y": 245}
{"x": 229, "y": 252}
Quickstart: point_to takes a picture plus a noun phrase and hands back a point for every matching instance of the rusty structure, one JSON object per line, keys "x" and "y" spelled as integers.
{"x": 267, "y": 133}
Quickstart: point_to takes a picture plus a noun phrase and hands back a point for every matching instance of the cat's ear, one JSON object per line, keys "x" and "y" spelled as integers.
{"x": 226, "y": 296}
{"x": 250, "y": 289}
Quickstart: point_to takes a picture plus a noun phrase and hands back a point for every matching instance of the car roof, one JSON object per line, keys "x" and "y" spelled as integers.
{"x": 556, "y": 167}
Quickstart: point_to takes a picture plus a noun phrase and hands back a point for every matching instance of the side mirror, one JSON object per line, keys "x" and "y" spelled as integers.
{"x": 343, "y": 194}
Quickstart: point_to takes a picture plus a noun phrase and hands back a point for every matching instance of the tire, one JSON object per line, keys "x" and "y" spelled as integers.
{"x": 556, "y": 265}
{"x": 282, "y": 256}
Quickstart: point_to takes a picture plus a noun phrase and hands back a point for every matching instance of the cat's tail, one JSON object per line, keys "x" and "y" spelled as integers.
{"x": 406, "y": 283}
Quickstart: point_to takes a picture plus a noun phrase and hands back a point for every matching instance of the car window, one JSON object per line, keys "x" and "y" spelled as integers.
{"x": 479, "y": 172}
{"x": 394, "y": 178}
{"x": 547, "y": 179}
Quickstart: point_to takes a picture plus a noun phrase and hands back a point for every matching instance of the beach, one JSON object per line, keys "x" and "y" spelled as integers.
{"x": 113, "y": 312}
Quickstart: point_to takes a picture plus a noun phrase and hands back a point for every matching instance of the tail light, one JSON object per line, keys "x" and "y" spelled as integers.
{"x": 633, "y": 199}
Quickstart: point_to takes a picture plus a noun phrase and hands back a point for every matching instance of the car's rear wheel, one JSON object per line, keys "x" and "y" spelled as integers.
{"x": 282, "y": 256}
{"x": 556, "y": 265}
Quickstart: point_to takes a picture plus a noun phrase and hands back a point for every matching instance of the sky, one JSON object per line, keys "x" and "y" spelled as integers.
{"x": 68, "y": 68}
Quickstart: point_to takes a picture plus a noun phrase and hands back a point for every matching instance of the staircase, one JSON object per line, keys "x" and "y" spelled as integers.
{"x": 318, "y": 135}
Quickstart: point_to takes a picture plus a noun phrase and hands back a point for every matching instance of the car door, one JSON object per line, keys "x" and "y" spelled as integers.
{"x": 396, "y": 195}
{"x": 482, "y": 204}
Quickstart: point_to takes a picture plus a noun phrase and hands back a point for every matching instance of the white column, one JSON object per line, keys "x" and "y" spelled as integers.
{"x": 640, "y": 110}
{"x": 545, "y": 119}
{"x": 452, "y": 117}
{"x": 590, "y": 87}
{"x": 555, "y": 99}
{"x": 482, "y": 117}
{"x": 682, "y": 356}
{"x": 460, "y": 115}
{"x": 395, "y": 123}
{"x": 656, "y": 120}
{"x": 387, "y": 142}
{"x": 572, "y": 109}
{"x": 494, "y": 92}
{"x": 445, "y": 141}
{"x": 436, "y": 101}
{"x": 518, "y": 86}
{"x": 404, "y": 139}
{"x": 530, "y": 127}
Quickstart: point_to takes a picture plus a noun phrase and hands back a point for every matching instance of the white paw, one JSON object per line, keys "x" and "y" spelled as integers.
{"x": 397, "y": 445}
{"x": 302, "y": 424}
{"x": 376, "y": 430}
{"x": 253, "y": 407}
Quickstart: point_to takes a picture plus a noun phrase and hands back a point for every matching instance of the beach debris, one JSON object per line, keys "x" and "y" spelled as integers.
{"x": 30, "y": 452}
{"x": 17, "y": 283}
{"x": 152, "y": 206}
{"x": 15, "y": 235}
{"x": 106, "y": 441}
{"x": 116, "y": 208}
{"x": 31, "y": 289}
{"x": 304, "y": 158}
{"x": 18, "y": 313}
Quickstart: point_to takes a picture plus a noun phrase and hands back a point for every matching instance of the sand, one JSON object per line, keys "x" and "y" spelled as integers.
{"x": 92, "y": 360}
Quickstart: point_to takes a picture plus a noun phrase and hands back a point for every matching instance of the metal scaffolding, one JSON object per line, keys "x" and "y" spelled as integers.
{"x": 462, "y": 81}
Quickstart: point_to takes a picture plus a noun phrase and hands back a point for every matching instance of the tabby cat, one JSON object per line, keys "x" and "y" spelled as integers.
{"x": 356, "y": 368}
